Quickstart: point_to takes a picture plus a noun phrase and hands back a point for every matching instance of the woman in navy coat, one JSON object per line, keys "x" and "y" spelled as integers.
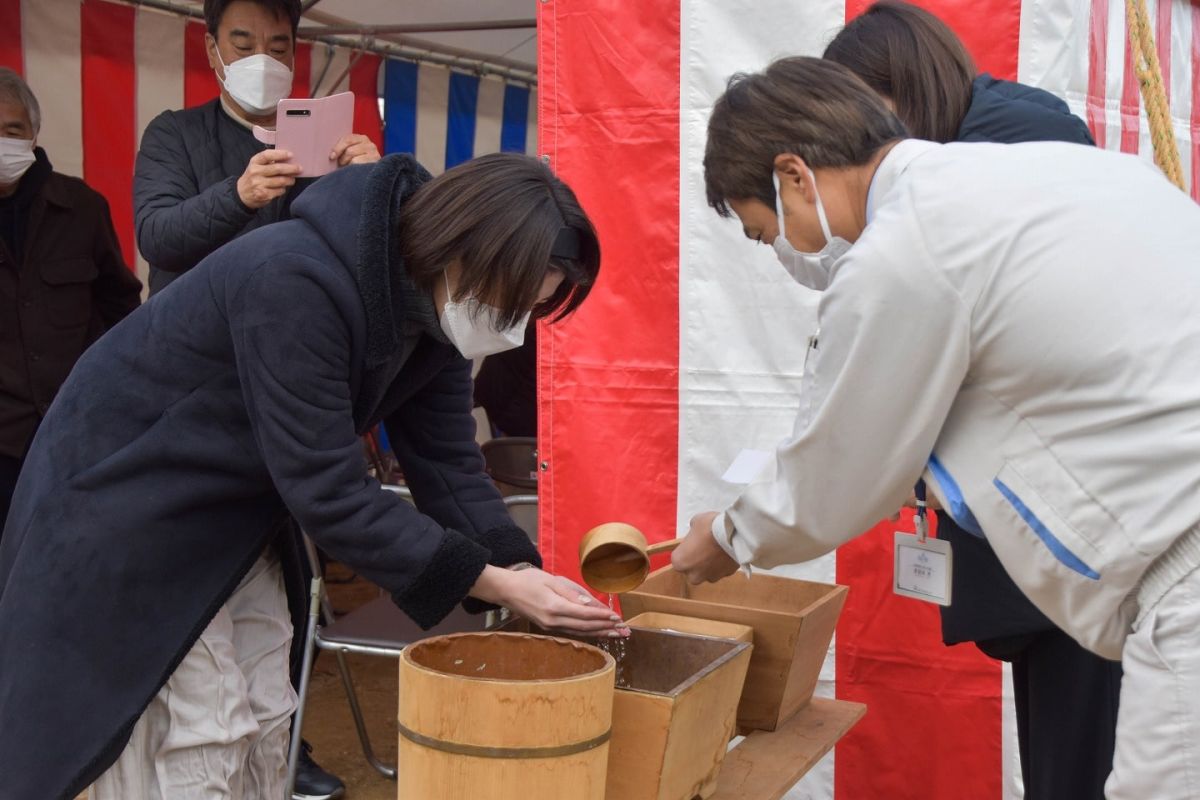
{"x": 164, "y": 472}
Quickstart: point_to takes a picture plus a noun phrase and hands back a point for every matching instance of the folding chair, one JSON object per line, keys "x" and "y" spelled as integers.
{"x": 378, "y": 628}
{"x": 512, "y": 463}
{"x": 524, "y": 510}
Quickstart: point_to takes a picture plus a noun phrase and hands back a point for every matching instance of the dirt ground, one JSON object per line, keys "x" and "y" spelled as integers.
{"x": 328, "y": 725}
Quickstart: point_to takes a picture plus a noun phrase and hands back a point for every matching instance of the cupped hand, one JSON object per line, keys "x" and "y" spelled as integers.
{"x": 549, "y": 601}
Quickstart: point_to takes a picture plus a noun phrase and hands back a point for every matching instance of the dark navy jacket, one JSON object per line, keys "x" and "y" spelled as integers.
{"x": 235, "y": 396}
{"x": 185, "y": 196}
{"x": 1001, "y": 618}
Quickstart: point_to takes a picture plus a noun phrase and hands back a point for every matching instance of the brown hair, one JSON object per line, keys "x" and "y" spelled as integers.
{"x": 909, "y": 55}
{"x": 506, "y": 220}
{"x": 816, "y": 109}
{"x": 282, "y": 9}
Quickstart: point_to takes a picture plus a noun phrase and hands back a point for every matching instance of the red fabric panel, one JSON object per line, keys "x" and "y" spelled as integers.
{"x": 1131, "y": 101}
{"x": 301, "y": 70}
{"x": 364, "y": 82}
{"x": 1196, "y": 102}
{"x": 11, "y": 55}
{"x": 919, "y": 693}
{"x": 608, "y": 419}
{"x": 1098, "y": 71}
{"x": 991, "y": 29}
{"x": 199, "y": 80}
{"x": 933, "y": 724}
{"x": 109, "y": 111}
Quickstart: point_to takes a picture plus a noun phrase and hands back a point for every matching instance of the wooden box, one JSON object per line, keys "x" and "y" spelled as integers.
{"x": 793, "y": 623}
{"x": 673, "y": 714}
{"x": 674, "y": 711}
{"x": 695, "y": 625}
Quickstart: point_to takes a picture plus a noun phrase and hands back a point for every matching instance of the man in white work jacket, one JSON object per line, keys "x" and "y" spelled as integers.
{"x": 1033, "y": 314}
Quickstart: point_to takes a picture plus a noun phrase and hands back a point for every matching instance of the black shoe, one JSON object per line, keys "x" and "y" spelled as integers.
{"x": 312, "y": 782}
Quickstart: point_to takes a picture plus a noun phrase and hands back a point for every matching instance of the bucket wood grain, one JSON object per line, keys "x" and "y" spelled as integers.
{"x": 504, "y": 716}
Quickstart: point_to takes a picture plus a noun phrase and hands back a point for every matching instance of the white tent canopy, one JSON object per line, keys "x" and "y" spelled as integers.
{"x": 493, "y": 37}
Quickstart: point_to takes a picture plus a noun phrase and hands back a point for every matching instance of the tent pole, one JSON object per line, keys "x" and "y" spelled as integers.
{"x": 431, "y": 27}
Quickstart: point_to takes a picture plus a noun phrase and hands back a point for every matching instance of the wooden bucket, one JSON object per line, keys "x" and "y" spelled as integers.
{"x": 504, "y": 716}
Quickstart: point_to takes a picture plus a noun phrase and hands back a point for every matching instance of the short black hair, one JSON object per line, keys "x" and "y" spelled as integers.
{"x": 816, "y": 109}
{"x": 285, "y": 9}
{"x": 506, "y": 219}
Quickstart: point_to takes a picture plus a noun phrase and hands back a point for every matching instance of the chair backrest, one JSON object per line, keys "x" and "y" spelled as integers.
{"x": 512, "y": 463}
{"x": 404, "y": 492}
{"x": 523, "y": 508}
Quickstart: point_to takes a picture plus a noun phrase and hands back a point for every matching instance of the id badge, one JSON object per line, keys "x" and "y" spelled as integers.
{"x": 923, "y": 568}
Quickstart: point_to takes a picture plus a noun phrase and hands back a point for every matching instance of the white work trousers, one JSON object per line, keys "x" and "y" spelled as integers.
{"x": 219, "y": 728}
{"x": 1158, "y": 725}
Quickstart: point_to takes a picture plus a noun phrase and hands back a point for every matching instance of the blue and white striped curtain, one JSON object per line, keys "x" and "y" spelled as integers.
{"x": 445, "y": 117}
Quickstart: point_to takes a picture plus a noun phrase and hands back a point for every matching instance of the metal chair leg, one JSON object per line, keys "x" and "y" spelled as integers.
{"x": 310, "y": 634}
{"x": 359, "y": 723}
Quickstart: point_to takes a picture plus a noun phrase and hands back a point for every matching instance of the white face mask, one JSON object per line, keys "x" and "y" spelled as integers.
{"x": 469, "y": 327}
{"x": 808, "y": 269}
{"x": 257, "y": 83}
{"x": 16, "y": 157}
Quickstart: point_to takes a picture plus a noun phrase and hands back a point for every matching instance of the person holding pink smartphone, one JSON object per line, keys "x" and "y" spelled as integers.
{"x": 202, "y": 179}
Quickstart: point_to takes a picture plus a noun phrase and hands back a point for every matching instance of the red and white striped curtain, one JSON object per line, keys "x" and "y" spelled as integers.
{"x": 690, "y": 347}
{"x": 102, "y": 71}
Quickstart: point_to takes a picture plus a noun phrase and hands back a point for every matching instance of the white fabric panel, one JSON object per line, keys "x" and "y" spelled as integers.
{"x": 1115, "y": 75}
{"x": 158, "y": 44}
{"x": 1183, "y": 72}
{"x": 1054, "y": 53}
{"x": 531, "y": 131}
{"x": 433, "y": 102}
{"x": 489, "y": 115}
{"x": 1013, "y": 785}
{"x": 50, "y": 36}
{"x": 744, "y": 324}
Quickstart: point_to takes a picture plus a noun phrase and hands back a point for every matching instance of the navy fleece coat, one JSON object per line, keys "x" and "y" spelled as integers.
{"x": 231, "y": 399}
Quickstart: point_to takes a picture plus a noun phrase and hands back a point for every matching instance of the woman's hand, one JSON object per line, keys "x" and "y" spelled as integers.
{"x": 549, "y": 601}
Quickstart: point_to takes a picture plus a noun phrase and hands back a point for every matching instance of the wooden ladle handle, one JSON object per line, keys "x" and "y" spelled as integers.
{"x": 663, "y": 547}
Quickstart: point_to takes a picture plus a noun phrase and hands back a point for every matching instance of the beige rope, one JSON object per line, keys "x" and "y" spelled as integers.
{"x": 1154, "y": 94}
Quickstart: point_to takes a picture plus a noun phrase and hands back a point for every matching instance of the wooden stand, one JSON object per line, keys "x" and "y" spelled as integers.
{"x": 765, "y": 764}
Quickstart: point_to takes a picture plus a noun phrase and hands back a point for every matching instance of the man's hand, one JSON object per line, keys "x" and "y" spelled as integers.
{"x": 354, "y": 148}
{"x": 266, "y": 178}
{"x": 700, "y": 558}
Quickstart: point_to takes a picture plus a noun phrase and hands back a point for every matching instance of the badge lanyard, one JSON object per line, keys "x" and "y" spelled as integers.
{"x": 921, "y": 523}
{"x": 923, "y": 566}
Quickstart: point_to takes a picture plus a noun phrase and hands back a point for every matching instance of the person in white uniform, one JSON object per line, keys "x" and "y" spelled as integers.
{"x": 1018, "y": 326}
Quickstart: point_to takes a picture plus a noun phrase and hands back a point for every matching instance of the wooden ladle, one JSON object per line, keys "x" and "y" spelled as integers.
{"x": 615, "y": 558}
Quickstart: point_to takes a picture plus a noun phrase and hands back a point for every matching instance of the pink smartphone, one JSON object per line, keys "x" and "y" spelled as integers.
{"x": 309, "y": 129}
